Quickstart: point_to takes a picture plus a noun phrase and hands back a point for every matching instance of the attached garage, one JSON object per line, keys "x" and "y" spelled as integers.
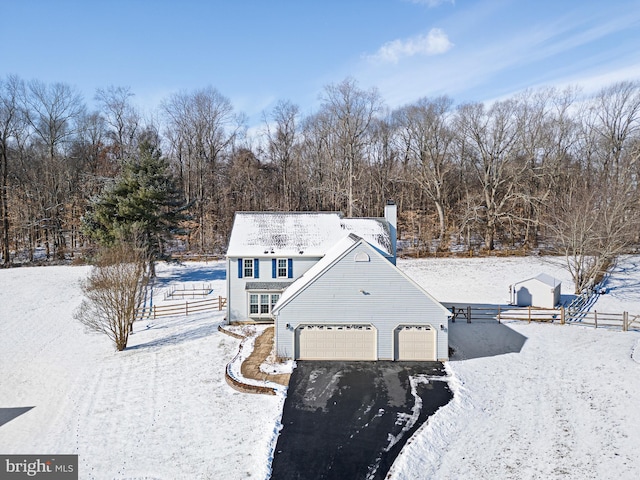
{"x": 336, "y": 342}
{"x": 349, "y": 306}
{"x": 415, "y": 342}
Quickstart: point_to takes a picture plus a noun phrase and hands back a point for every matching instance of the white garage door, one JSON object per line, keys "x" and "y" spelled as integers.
{"x": 415, "y": 342}
{"x": 336, "y": 342}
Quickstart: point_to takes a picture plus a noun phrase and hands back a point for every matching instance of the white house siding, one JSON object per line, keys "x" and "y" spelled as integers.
{"x": 237, "y": 303}
{"x": 373, "y": 292}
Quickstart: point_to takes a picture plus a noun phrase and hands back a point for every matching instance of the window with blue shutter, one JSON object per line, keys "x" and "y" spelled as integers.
{"x": 290, "y": 262}
{"x": 247, "y": 270}
{"x": 256, "y": 268}
{"x": 239, "y": 268}
{"x": 274, "y": 268}
{"x": 283, "y": 268}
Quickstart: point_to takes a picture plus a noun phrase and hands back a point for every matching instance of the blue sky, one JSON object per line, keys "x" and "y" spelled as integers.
{"x": 256, "y": 52}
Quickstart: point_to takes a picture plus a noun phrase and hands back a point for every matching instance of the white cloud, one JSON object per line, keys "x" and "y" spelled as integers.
{"x": 435, "y": 42}
{"x": 432, "y": 3}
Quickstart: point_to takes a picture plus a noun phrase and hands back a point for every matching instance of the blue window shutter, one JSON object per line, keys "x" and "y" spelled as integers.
{"x": 274, "y": 268}
{"x": 239, "y": 268}
{"x": 256, "y": 268}
{"x": 290, "y": 264}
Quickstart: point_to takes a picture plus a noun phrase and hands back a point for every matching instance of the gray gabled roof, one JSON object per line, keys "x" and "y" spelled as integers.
{"x": 302, "y": 233}
{"x": 338, "y": 251}
{"x": 274, "y": 286}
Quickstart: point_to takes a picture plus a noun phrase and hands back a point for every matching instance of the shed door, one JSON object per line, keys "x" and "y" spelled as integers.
{"x": 336, "y": 342}
{"x": 415, "y": 342}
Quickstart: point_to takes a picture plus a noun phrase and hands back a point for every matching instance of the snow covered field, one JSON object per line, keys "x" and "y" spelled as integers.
{"x": 565, "y": 406}
{"x": 160, "y": 409}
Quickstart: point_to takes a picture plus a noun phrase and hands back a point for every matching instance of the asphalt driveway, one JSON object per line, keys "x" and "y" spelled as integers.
{"x": 349, "y": 420}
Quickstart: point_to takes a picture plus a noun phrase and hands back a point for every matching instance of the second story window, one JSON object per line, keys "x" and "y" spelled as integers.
{"x": 248, "y": 267}
{"x": 283, "y": 270}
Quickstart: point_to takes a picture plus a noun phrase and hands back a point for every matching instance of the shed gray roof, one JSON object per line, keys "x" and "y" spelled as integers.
{"x": 302, "y": 233}
{"x": 543, "y": 278}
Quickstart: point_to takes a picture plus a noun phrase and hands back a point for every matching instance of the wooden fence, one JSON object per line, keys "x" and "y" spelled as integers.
{"x": 186, "y": 308}
{"x": 562, "y": 315}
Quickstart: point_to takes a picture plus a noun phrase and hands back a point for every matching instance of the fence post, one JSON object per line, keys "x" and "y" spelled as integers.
{"x": 595, "y": 318}
{"x": 219, "y": 303}
{"x": 468, "y": 313}
{"x": 562, "y": 315}
{"x": 186, "y": 309}
{"x": 625, "y": 321}
{"x": 498, "y": 313}
{"x": 529, "y": 313}
{"x": 154, "y": 312}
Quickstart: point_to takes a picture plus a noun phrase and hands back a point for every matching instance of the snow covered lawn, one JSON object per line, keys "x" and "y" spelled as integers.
{"x": 565, "y": 406}
{"x": 160, "y": 409}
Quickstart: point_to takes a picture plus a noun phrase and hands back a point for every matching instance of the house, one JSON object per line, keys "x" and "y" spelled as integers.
{"x": 540, "y": 291}
{"x": 331, "y": 287}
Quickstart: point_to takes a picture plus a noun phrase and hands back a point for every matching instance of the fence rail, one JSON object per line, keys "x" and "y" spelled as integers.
{"x": 191, "y": 292}
{"x": 623, "y": 320}
{"x": 186, "y": 308}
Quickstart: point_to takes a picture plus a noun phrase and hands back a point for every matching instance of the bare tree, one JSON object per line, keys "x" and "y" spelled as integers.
{"x": 591, "y": 227}
{"x": 350, "y": 112}
{"x": 282, "y": 139}
{"x": 384, "y": 170}
{"x": 615, "y": 120}
{"x": 201, "y": 128}
{"x": 114, "y": 291}
{"x": 122, "y": 119}
{"x": 314, "y": 163}
{"x": 426, "y": 140}
{"x": 53, "y": 112}
{"x": 547, "y": 140}
{"x": 10, "y": 115}
{"x": 490, "y": 138}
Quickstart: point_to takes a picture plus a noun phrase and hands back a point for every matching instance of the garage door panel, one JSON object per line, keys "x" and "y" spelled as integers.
{"x": 336, "y": 342}
{"x": 415, "y": 342}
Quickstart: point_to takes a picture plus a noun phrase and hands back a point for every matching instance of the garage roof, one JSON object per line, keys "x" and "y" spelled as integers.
{"x": 334, "y": 254}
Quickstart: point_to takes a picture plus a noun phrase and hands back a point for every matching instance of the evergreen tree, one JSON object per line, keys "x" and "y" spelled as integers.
{"x": 143, "y": 208}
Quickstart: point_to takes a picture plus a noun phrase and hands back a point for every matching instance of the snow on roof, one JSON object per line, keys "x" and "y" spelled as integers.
{"x": 544, "y": 278}
{"x": 301, "y": 233}
{"x": 334, "y": 253}
{"x": 374, "y": 230}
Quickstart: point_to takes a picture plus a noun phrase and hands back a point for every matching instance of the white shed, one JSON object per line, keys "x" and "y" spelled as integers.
{"x": 540, "y": 291}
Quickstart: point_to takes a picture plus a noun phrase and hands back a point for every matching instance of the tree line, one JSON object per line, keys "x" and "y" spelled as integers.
{"x": 548, "y": 169}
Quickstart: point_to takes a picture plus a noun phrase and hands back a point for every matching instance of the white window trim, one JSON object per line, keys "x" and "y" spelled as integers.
{"x": 270, "y": 303}
{"x": 286, "y": 268}
{"x": 245, "y": 268}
